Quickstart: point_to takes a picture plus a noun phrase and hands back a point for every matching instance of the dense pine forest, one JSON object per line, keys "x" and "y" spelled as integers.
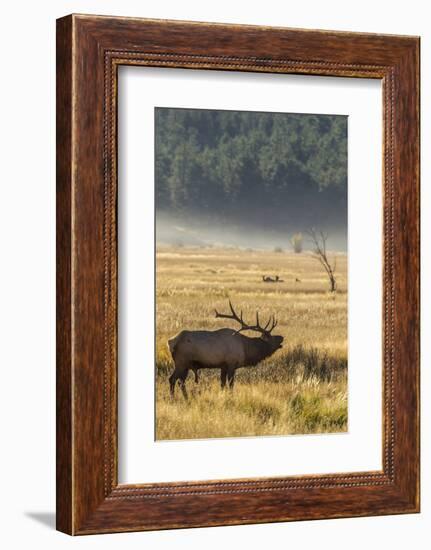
{"x": 281, "y": 172}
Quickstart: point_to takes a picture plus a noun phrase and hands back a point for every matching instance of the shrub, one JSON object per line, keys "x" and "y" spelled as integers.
{"x": 297, "y": 243}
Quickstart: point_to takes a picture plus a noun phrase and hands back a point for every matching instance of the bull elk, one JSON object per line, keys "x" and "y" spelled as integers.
{"x": 225, "y": 349}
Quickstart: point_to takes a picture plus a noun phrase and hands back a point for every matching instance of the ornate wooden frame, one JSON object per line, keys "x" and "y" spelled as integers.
{"x": 89, "y": 51}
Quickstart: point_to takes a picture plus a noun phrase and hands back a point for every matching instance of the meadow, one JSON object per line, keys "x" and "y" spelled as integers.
{"x": 301, "y": 389}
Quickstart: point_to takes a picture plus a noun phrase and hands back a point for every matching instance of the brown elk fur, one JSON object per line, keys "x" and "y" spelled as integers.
{"x": 224, "y": 349}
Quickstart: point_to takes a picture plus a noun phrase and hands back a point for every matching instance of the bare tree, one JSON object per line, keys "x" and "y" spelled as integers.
{"x": 320, "y": 254}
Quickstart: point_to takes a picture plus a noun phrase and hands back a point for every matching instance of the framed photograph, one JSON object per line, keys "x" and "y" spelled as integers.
{"x": 237, "y": 274}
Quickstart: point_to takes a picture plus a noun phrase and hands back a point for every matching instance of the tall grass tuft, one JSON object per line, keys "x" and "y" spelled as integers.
{"x": 302, "y": 391}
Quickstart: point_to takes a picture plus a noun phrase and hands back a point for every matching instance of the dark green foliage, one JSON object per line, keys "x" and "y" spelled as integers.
{"x": 233, "y": 165}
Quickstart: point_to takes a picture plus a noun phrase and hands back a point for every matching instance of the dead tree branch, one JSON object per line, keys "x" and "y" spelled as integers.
{"x": 320, "y": 254}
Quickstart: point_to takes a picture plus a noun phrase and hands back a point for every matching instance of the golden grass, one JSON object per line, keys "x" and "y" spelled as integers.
{"x": 301, "y": 389}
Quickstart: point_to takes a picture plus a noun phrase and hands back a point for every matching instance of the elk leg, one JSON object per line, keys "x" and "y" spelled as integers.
{"x": 183, "y": 385}
{"x": 223, "y": 375}
{"x": 196, "y": 375}
{"x": 172, "y": 380}
{"x": 231, "y": 378}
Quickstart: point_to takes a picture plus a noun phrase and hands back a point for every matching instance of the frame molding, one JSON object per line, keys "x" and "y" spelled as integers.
{"x": 89, "y": 51}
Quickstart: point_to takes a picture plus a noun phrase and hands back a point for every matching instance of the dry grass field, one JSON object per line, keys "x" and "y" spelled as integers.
{"x": 301, "y": 389}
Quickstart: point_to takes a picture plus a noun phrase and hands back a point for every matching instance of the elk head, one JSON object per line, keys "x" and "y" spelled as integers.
{"x": 275, "y": 342}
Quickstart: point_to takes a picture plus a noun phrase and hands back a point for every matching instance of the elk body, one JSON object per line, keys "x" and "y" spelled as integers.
{"x": 225, "y": 349}
{"x": 269, "y": 279}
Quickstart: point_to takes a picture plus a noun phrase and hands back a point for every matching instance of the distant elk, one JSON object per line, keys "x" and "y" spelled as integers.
{"x": 268, "y": 279}
{"x": 225, "y": 349}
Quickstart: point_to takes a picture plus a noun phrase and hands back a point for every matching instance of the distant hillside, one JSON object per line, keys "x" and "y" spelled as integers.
{"x": 283, "y": 172}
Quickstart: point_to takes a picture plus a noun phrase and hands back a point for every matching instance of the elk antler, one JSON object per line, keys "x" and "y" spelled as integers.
{"x": 239, "y": 319}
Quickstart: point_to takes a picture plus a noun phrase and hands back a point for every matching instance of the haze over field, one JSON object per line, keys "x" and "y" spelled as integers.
{"x": 200, "y": 232}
